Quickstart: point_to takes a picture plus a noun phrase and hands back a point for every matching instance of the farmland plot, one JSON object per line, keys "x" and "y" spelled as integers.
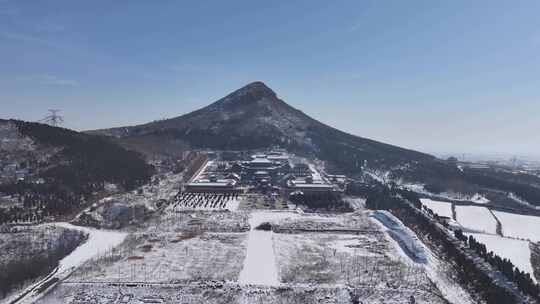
{"x": 476, "y": 219}
{"x": 199, "y": 257}
{"x": 326, "y": 222}
{"x": 169, "y": 257}
{"x": 440, "y": 208}
{"x": 520, "y": 226}
{"x": 210, "y": 221}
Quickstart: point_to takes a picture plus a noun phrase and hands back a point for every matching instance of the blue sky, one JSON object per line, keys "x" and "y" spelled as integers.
{"x": 438, "y": 76}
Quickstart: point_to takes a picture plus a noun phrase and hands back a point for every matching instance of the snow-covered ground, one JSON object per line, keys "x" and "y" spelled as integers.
{"x": 437, "y": 271}
{"x": 520, "y": 226}
{"x": 260, "y": 264}
{"x": 312, "y": 263}
{"x": 330, "y": 258}
{"x": 122, "y": 209}
{"x": 168, "y": 257}
{"x": 99, "y": 241}
{"x": 476, "y": 219}
{"x": 441, "y": 208}
{"x": 356, "y": 203}
{"x": 210, "y": 221}
{"x": 441, "y": 275}
{"x": 324, "y": 222}
{"x": 517, "y": 251}
{"x": 212, "y": 293}
{"x": 407, "y": 243}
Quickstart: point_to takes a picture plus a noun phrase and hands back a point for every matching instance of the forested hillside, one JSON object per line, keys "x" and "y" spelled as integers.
{"x": 78, "y": 168}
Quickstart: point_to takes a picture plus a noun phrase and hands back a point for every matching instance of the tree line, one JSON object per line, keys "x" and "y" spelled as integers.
{"x": 469, "y": 273}
{"x": 522, "y": 279}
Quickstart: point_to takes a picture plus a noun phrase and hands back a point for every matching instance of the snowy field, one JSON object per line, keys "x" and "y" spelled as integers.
{"x": 168, "y": 257}
{"x": 517, "y": 251}
{"x": 311, "y": 222}
{"x": 210, "y": 221}
{"x": 253, "y": 267}
{"x": 476, "y": 219}
{"x": 324, "y": 258}
{"x": 520, "y": 226}
{"x": 364, "y": 257}
{"x": 441, "y": 208}
{"x": 212, "y": 293}
{"x": 219, "y": 257}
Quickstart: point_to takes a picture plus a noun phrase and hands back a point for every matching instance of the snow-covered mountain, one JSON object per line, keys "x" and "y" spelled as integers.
{"x": 255, "y": 117}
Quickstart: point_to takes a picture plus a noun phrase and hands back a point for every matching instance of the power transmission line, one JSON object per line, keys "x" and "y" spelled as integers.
{"x": 54, "y": 119}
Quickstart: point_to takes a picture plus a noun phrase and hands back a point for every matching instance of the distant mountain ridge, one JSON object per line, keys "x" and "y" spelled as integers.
{"x": 253, "y": 117}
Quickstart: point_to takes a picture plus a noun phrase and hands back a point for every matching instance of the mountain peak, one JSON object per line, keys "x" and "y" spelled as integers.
{"x": 256, "y": 90}
{"x": 257, "y": 86}
{"x": 254, "y": 117}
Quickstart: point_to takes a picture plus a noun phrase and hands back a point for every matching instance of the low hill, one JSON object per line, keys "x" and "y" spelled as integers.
{"x": 56, "y": 169}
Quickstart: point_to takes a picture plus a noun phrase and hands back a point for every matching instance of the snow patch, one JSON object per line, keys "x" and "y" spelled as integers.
{"x": 520, "y": 226}
{"x": 477, "y": 219}
{"x": 407, "y": 244}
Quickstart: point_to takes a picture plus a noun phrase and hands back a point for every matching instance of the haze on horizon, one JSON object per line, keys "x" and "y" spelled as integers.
{"x": 457, "y": 76}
